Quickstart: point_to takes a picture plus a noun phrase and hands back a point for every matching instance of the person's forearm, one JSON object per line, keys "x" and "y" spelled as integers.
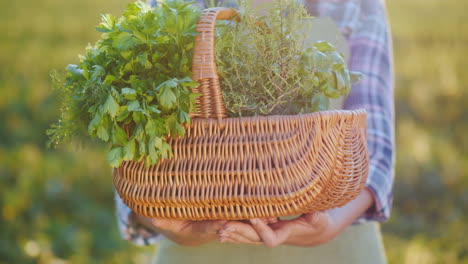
{"x": 346, "y": 215}
{"x": 340, "y": 218}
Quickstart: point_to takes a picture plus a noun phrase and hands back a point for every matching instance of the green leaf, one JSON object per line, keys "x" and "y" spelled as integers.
{"x": 98, "y": 72}
{"x": 192, "y": 106}
{"x": 140, "y": 36}
{"x": 129, "y": 93}
{"x": 342, "y": 82}
{"x": 157, "y": 142}
{"x": 115, "y": 94}
{"x": 153, "y": 153}
{"x": 137, "y": 83}
{"x": 149, "y": 98}
{"x": 126, "y": 54}
{"x": 132, "y": 10}
{"x": 109, "y": 79}
{"x": 190, "y": 84}
{"x": 154, "y": 109}
{"x": 134, "y": 106}
{"x": 174, "y": 126}
{"x": 103, "y": 133}
{"x": 94, "y": 123}
{"x": 142, "y": 149}
{"x": 119, "y": 136}
{"x": 320, "y": 102}
{"x": 355, "y": 76}
{"x": 128, "y": 67}
{"x": 150, "y": 128}
{"x": 171, "y": 83}
{"x": 183, "y": 117}
{"x": 139, "y": 132}
{"x": 111, "y": 106}
{"x": 74, "y": 70}
{"x": 167, "y": 97}
{"x": 108, "y": 20}
{"x": 324, "y": 46}
{"x": 85, "y": 73}
{"x": 331, "y": 92}
{"x": 165, "y": 150}
{"x": 125, "y": 41}
{"x": 93, "y": 109}
{"x": 123, "y": 113}
{"x": 114, "y": 156}
{"x": 103, "y": 30}
{"x": 107, "y": 24}
{"x": 143, "y": 60}
{"x": 129, "y": 150}
{"x": 137, "y": 117}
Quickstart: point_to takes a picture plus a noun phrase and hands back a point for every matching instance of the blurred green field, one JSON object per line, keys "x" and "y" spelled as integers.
{"x": 56, "y": 206}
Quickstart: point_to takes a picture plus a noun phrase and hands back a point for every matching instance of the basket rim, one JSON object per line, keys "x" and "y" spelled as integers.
{"x": 343, "y": 113}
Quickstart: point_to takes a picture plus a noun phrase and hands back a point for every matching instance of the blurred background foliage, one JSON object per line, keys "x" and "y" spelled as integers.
{"x": 56, "y": 206}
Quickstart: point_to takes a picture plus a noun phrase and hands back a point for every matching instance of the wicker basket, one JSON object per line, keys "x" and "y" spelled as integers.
{"x": 240, "y": 168}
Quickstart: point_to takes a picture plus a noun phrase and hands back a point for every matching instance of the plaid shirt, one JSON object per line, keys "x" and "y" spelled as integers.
{"x": 364, "y": 24}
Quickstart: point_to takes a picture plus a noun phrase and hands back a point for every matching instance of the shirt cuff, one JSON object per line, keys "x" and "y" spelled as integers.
{"x": 382, "y": 193}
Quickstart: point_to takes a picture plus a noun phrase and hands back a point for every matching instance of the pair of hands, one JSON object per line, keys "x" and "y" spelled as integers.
{"x": 307, "y": 230}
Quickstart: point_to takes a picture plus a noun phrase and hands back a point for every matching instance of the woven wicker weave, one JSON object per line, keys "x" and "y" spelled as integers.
{"x": 239, "y": 168}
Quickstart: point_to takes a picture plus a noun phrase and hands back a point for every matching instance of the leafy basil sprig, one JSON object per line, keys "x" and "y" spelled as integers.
{"x": 133, "y": 87}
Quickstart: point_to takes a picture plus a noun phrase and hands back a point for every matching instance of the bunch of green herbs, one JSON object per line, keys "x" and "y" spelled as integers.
{"x": 267, "y": 67}
{"x": 133, "y": 87}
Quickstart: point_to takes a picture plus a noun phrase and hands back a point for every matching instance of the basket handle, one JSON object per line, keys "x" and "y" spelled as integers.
{"x": 211, "y": 103}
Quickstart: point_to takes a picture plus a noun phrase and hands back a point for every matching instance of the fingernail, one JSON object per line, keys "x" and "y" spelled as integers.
{"x": 254, "y": 221}
{"x": 230, "y": 229}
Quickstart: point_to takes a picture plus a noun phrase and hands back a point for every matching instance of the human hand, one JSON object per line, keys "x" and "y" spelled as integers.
{"x": 308, "y": 230}
{"x": 187, "y": 232}
{"x": 184, "y": 232}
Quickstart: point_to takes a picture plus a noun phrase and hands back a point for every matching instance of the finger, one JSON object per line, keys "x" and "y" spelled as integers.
{"x": 227, "y": 240}
{"x": 223, "y": 234}
{"x": 242, "y": 229}
{"x": 235, "y": 241}
{"x": 268, "y": 236}
{"x": 239, "y": 237}
{"x": 272, "y": 220}
{"x": 269, "y": 220}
